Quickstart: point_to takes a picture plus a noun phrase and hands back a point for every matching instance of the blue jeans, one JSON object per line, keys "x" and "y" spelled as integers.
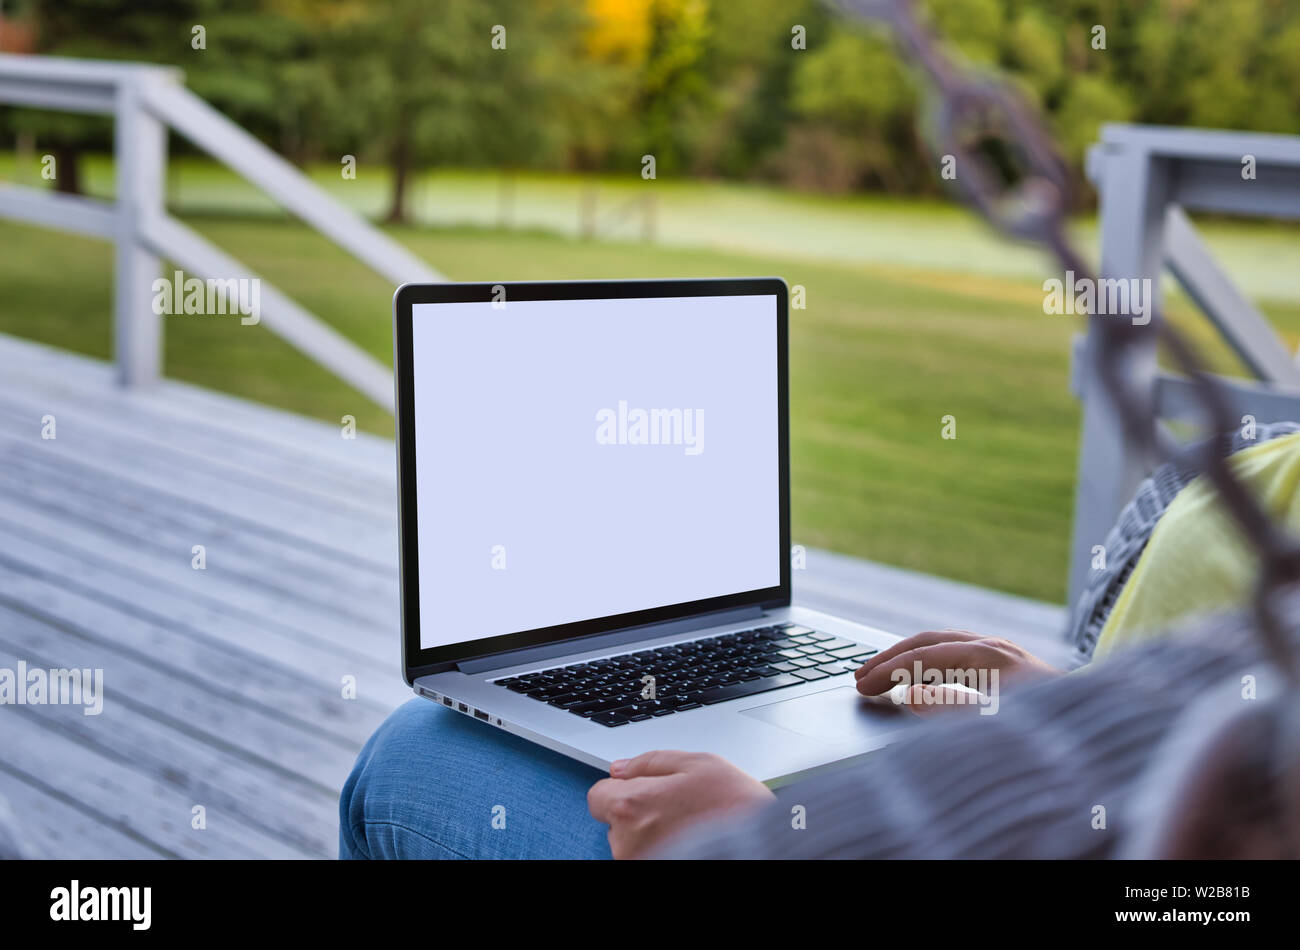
{"x": 432, "y": 783}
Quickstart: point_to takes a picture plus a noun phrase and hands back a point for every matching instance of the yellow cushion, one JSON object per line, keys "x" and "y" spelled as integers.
{"x": 1197, "y": 561}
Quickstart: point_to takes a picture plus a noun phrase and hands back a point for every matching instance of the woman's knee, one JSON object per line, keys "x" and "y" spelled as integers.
{"x": 396, "y": 776}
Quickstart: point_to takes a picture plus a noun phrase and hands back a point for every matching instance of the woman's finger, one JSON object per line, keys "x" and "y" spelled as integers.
{"x": 926, "y": 638}
{"x": 961, "y": 654}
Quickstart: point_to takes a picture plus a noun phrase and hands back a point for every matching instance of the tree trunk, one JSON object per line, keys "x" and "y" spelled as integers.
{"x": 399, "y": 161}
{"x": 67, "y": 177}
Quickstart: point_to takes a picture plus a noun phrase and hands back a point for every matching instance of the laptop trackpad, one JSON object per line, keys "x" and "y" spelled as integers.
{"x": 833, "y": 715}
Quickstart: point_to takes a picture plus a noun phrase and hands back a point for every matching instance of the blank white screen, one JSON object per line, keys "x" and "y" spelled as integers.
{"x": 526, "y": 520}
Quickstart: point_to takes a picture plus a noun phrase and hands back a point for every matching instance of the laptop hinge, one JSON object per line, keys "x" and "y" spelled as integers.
{"x": 497, "y": 661}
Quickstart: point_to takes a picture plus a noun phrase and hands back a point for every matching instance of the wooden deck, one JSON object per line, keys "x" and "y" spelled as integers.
{"x": 224, "y": 686}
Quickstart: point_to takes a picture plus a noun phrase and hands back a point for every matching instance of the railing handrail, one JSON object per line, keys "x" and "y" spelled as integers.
{"x": 1274, "y": 148}
{"x": 243, "y": 153}
{"x": 144, "y": 99}
{"x": 72, "y": 69}
{"x": 73, "y": 85}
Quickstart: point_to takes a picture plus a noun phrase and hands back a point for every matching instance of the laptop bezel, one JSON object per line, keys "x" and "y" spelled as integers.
{"x": 420, "y": 661}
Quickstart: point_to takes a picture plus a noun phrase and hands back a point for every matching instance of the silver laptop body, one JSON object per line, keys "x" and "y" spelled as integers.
{"x": 594, "y": 485}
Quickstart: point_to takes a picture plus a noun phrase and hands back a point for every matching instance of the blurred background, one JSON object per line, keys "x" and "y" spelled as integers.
{"x": 785, "y": 142}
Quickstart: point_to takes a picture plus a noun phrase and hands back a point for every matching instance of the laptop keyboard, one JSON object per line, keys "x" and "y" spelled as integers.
{"x": 635, "y": 687}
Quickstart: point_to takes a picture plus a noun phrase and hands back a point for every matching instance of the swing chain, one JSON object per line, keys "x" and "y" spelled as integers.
{"x": 971, "y": 109}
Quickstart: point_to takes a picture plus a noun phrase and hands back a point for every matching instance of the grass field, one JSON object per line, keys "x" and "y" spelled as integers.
{"x": 868, "y": 229}
{"x": 882, "y": 352}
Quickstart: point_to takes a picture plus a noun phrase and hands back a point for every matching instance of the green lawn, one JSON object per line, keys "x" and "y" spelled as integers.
{"x": 880, "y": 355}
{"x": 868, "y": 229}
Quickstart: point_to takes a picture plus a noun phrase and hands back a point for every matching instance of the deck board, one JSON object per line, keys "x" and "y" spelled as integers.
{"x": 156, "y": 810}
{"x": 329, "y": 601}
{"x": 216, "y": 775}
{"x": 46, "y": 820}
{"x": 285, "y": 747}
{"x": 171, "y": 599}
{"x": 224, "y": 686}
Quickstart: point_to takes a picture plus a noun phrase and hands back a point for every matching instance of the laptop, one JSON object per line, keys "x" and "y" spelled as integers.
{"x": 594, "y": 485}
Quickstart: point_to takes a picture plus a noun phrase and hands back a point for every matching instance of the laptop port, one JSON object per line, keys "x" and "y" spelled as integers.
{"x": 463, "y": 708}
{"x": 480, "y": 714}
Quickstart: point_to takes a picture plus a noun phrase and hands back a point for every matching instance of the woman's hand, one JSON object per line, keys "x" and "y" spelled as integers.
{"x": 647, "y": 800}
{"x": 944, "y": 650}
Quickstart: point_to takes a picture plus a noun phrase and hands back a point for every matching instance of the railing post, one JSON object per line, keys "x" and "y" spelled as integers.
{"x": 140, "y": 159}
{"x": 1133, "y": 188}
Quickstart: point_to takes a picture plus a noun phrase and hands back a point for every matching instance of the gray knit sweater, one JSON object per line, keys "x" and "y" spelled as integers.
{"x": 1025, "y": 783}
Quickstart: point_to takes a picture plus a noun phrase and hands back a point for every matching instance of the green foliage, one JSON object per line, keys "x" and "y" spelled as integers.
{"x": 855, "y": 109}
{"x": 470, "y": 83}
{"x": 1089, "y": 102}
{"x": 709, "y": 87}
{"x": 98, "y": 29}
{"x": 257, "y": 66}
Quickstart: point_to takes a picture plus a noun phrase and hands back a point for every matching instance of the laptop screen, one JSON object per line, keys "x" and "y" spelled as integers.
{"x": 586, "y": 458}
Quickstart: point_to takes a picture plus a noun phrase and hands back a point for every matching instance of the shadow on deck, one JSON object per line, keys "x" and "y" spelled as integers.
{"x": 225, "y": 686}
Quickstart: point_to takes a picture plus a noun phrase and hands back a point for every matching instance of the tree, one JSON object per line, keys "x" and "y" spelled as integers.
{"x": 706, "y": 86}
{"x": 855, "y": 116}
{"x": 98, "y": 29}
{"x": 254, "y": 64}
{"x": 466, "y": 81}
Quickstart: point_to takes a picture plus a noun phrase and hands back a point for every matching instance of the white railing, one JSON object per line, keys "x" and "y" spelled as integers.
{"x": 144, "y": 101}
